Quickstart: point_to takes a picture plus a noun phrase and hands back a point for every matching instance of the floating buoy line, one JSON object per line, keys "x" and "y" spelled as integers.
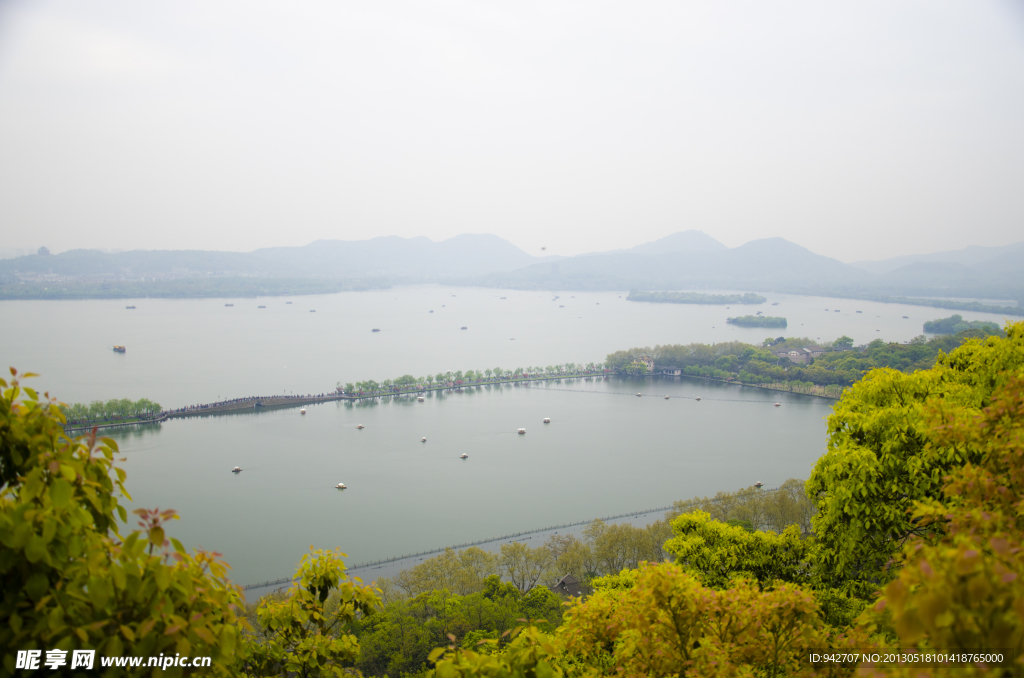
{"x": 675, "y": 397}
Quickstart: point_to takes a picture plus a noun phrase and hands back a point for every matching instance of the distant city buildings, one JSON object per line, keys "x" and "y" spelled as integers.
{"x": 43, "y": 251}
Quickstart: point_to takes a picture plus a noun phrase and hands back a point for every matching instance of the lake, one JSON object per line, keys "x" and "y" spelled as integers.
{"x": 604, "y": 452}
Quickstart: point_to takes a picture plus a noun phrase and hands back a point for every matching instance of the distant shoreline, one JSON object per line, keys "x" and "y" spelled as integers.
{"x": 250, "y": 288}
{"x": 235, "y": 287}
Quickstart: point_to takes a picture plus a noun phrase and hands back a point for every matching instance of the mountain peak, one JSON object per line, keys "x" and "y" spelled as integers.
{"x": 681, "y": 241}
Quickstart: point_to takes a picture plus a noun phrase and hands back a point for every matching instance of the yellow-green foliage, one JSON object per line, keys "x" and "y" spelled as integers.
{"x": 716, "y": 552}
{"x": 774, "y": 510}
{"x": 961, "y": 584}
{"x": 306, "y": 632}
{"x": 530, "y": 654}
{"x": 669, "y": 624}
{"x": 882, "y": 457}
{"x": 69, "y": 579}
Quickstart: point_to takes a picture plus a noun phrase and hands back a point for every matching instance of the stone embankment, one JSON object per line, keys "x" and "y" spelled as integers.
{"x": 253, "y": 403}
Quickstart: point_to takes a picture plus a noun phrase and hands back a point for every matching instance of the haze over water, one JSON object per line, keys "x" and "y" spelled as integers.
{"x": 185, "y": 351}
{"x": 605, "y": 452}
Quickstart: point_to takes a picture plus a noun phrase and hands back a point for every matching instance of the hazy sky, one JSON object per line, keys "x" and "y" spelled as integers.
{"x": 861, "y": 130}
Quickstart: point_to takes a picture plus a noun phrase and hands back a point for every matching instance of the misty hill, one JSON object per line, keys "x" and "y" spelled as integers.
{"x": 693, "y": 261}
{"x": 688, "y": 260}
{"x": 682, "y": 241}
{"x": 760, "y": 264}
{"x": 968, "y": 256}
{"x": 461, "y": 256}
{"x": 418, "y": 259}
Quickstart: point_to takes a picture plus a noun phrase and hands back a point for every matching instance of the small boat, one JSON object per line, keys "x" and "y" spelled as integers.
{"x": 522, "y": 431}
{"x": 504, "y": 297}
{"x": 758, "y": 484}
{"x": 423, "y": 440}
{"x": 512, "y": 339}
{"x": 547, "y": 420}
{"x": 860, "y": 311}
{"x": 698, "y": 398}
{"x": 906, "y": 317}
{"x": 312, "y": 310}
{"x": 119, "y": 349}
{"x": 261, "y": 307}
{"x": 359, "y": 426}
{"x": 463, "y": 456}
{"x": 639, "y": 395}
{"x": 340, "y": 486}
{"x": 560, "y": 306}
{"x": 666, "y": 397}
{"x": 431, "y": 311}
{"x": 419, "y": 399}
{"x": 302, "y": 411}
{"x": 129, "y": 308}
{"x": 775, "y": 303}
{"x": 778, "y": 404}
{"x": 287, "y": 302}
{"x": 375, "y": 330}
{"x": 228, "y": 304}
{"x": 464, "y": 327}
{"x": 237, "y": 469}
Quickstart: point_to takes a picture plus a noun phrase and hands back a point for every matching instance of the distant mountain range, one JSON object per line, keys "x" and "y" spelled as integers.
{"x": 691, "y": 260}
{"x": 968, "y": 256}
{"x": 688, "y": 260}
{"x": 389, "y": 256}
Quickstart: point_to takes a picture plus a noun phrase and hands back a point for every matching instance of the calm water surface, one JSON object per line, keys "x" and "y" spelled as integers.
{"x": 183, "y": 351}
{"x": 605, "y": 451}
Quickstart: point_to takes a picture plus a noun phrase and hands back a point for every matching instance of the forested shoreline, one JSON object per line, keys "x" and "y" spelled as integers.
{"x": 760, "y": 365}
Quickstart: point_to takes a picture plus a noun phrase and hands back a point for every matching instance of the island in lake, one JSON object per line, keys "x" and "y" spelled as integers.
{"x": 956, "y": 323}
{"x": 757, "y": 321}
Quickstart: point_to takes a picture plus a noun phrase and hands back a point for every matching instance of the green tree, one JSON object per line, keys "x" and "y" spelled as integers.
{"x": 881, "y": 459}
{"x": 524, "y": 566}
{"x": 70, "y": 579}
{"x": 961, "y": 586}
{"x": 843, "y": 342}
{"x": 717, "y": 552}
{"x": 308, "y": 632}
